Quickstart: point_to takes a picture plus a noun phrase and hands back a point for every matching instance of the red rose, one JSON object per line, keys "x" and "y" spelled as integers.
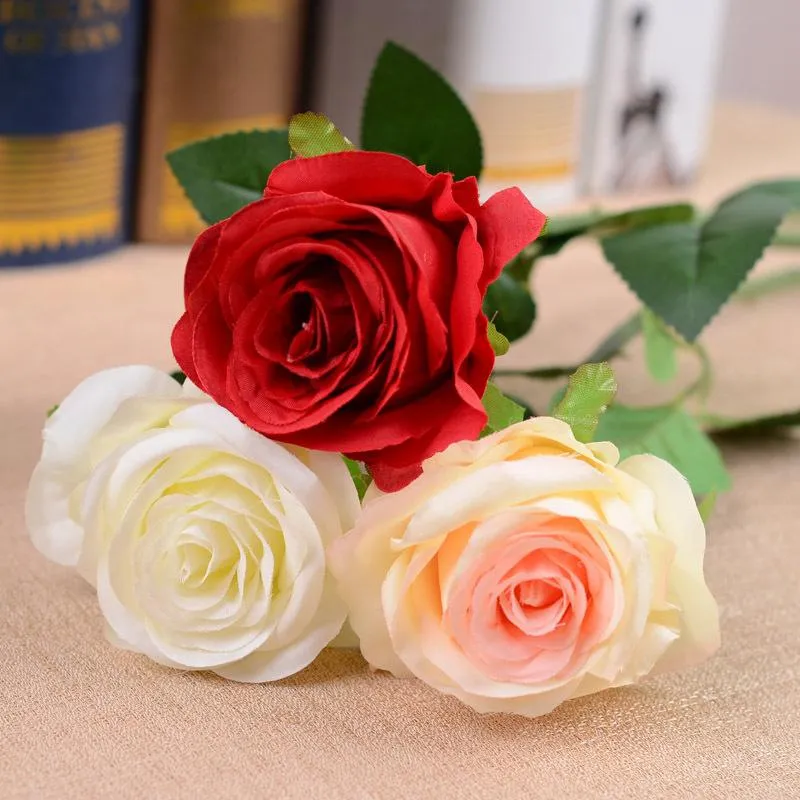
{"x": 343, "y": 310}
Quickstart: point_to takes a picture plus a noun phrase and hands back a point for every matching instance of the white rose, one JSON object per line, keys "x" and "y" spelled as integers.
{"x": 206, "y": 541}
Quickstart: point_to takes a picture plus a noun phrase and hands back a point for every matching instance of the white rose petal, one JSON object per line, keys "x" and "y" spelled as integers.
{"x": 68, "y": 435}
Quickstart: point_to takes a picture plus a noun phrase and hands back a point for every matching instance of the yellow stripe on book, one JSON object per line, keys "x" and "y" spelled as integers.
{"x": 531, "y": 172}
{"x": 57, "y": 206}
{"x": 68, "y": 176}
{"x": 55, "y": 232}
{"x": 226, "y": 9}
{"x": 46, "y": 202}
{"x": 176, "y": 215}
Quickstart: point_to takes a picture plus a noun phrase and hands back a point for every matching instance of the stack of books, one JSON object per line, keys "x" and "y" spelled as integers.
{"x": 571, "y": 98}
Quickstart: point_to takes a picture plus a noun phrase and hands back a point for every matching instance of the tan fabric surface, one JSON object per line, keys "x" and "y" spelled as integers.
{"x": 79, "y": 719}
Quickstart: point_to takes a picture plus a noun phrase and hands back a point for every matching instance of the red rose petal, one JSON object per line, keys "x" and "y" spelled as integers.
{"x": 508, "y": 223}
{"x": 182, "y": 348}
{"x": 358, "y": 176}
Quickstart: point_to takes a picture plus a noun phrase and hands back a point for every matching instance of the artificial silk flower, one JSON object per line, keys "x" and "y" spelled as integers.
{"x": 528, "y": 568}
{"x": 205, "y": 541}
{"x": 343, "y": 310}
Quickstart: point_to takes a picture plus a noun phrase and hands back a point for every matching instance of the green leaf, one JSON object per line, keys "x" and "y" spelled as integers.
{"x": 589, "y": 391}
{"x": 412, "y": 111}
{"x": 52, "y": 410}
{"x": 669, "y": 433}
{"x": 527, "y": 408}
{"x": 225, "y": 173}
{"x": 749, "y": 425}
{"x": 502, "y": 410}
{"x": 557, "y": 397}
{"x": 359, "y": 474}
{"x": 312, "y": 134}
{"x": 510, "y": 306}
{"x": 707, "y": 505}
{"x": 644, "y": 217}
{"x": 686, "y": 271}
{"x": 521, "y": 266}
{"x": 660, "y": 348}
{"x": 561, "y": 230}
{"x": 498, "y": 342}
{"x": 178, "y": 376}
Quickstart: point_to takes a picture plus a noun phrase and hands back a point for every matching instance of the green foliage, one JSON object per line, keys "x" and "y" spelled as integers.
{"x": 312, "y": 134}
{"x": 509, "y": 304}
{"x": 686, "y": 271}
{"x": 589, "y": 391}
{"x": 749, "y": 425}
{"x": 411, "y": 110}
{"x": 223, "y": 174}
{"x": 561, "y": 230}
{"x": 660, "y": 347}
{"x": 178, "y": 376}
{"x": 359, "y": 474}
{"x": 645, "y": 217}
{"x": 670, "y": 433}
{"x": 498, "y": 342}
{"x": 520, "y": 267}
{"x": 707, "y": 505}
{"x": 527, "y": 408}
{"x": 501, "y": 410}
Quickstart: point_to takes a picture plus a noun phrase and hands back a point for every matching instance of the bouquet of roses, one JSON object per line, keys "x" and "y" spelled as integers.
{"x": 334, "y": 448}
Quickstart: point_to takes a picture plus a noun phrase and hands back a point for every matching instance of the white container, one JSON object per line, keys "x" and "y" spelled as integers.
{"x": 648, "y": 120}
{"x": 522, "y": 66}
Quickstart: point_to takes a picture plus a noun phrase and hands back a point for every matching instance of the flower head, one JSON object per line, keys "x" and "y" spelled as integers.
{"x": 527, "y": 568}
{"x": 206, "y": 541}
{"x": 343, "y": 311}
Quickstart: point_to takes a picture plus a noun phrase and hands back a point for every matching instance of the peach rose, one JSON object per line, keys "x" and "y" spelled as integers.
{"x": 527, "y": 568}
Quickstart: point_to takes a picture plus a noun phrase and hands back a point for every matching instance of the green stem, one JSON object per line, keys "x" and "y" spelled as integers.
{"x": 786, "y": 240}
{"x": 767, "y": 284}
{"x": 701, "y": 386}
{"x": 541, "y": 373}
{"x": 612, "y": 345}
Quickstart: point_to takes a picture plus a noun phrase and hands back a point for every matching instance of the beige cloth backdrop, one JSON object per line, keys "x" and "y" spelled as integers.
{"x": 79, "y": 719}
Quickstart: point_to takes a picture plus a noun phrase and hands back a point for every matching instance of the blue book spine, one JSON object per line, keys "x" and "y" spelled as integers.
{"x": 68, "y": 97}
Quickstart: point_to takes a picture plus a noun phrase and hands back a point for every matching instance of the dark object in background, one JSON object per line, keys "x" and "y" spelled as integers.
{"x": 644, "y": 157}
{"x": 67, "y": 106}
{"x": 213, "y": 66}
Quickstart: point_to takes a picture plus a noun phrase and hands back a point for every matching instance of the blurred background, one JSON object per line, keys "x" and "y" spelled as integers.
{"x": 574, "y": 99}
